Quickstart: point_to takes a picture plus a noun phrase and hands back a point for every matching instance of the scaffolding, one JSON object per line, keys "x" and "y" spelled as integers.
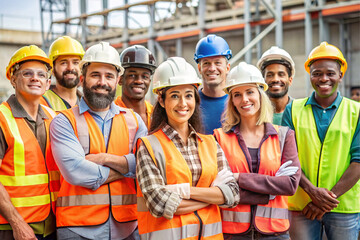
{"x": 195, "y": 19}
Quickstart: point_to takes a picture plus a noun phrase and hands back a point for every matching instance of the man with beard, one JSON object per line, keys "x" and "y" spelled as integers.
{"x": 93, "y": 146}
{"x": 212, "y": 54}
{"x": 139, "y": 64}
{"x": 66, "y": 54}
{"x": 278, "y": 70}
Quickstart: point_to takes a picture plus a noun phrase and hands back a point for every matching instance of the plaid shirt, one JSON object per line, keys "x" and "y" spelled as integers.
{"x": 162, "y": 202}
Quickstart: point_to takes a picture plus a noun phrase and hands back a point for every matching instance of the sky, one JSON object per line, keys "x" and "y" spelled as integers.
{"x": 25, "y": 14}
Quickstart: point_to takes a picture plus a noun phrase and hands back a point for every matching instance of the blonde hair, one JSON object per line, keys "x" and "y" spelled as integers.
{"x": 231, "y": 116}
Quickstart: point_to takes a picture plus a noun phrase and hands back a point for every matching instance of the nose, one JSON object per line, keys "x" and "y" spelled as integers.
{"x": 70, "y": 66}
{"x": 102, "y": 79}
{"x": 324, "y": 77}
{"x": 139, "y": 80}
{"x": 244, "y": 99}
{"x": 182, "y": 101}
{"x": 212, "y": 67}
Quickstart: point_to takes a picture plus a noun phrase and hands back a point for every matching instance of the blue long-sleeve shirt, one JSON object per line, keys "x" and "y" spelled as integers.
{"x": 323, "y": 118}
{"x": 70, "y": 158}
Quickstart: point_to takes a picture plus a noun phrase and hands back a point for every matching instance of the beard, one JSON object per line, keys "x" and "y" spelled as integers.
{"x": 99, "y": 100}
{"x": 278, "y": 94}
{"x": 70, "y": 83}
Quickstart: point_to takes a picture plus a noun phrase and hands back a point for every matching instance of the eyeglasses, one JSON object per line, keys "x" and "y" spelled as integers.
{"x": 29, "y": 73}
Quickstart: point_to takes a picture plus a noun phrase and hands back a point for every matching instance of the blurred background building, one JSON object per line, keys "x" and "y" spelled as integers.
{"x": 172, "y": 28}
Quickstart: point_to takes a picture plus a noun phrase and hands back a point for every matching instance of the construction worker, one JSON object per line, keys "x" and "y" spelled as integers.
{"x": 355, "y": 93}
{"x": 328, "y": 141}
{"x": 262, "y": 156}
{"x": 278, "y": 69}
{"x": 29, "y": 179}
{"x": 139, "y": 64}
{"x": 66, "y": 54}
{"x": 92, "y": 144}
{"x": 182, "y": 175}
{"x": 212, "y": 54}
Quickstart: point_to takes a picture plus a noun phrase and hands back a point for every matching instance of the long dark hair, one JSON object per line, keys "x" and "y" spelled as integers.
{"x": 159, "y": 117}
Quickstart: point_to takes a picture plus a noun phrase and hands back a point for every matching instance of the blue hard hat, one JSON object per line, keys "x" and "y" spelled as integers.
{"x": 212, "y": 45}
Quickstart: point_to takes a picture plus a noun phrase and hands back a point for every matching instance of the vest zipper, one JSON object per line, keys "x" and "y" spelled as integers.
{"x": 201, "y": 224}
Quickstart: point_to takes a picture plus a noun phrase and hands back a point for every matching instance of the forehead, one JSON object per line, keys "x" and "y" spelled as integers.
{"x": 102, "y": 68}
{"x": 137, "y": 70}
{"x": 213, "y": 59}
{"x": 242, "y": 88}
{"x": 181, "y": 88}
{"x": 275, "y": 67}
{"x": 68, "y": 58}
{"x": 325, "y": 64}
{"x": 34, "y": 65}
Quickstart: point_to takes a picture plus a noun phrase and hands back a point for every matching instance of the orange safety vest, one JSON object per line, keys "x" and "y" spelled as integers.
{"x": 80, "y": 206}
{"x": 31, "y": 180}
{"x": 149, "y": 108}
{"x": 271, "y": 217}
{"x": 205, "y": 222}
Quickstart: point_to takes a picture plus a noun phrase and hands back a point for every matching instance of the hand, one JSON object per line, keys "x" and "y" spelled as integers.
{"x": 98, "y": 158}
{"x": 285, "y": 170}
{"x": 223, "y": 177}
{"x": 23, "y": 231}
{"x": 183, "y": 189}
{"x": 311, "y": 211}
{"x": 323, "y": 199}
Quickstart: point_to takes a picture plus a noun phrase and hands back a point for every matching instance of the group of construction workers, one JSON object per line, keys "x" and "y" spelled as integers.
{"x": 228, "y": 156}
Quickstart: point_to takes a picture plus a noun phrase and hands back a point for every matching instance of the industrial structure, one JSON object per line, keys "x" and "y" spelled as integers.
{"x": 172, "y": 28}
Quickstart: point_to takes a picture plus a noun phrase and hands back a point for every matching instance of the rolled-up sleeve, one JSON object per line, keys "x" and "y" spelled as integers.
{"x": 70, "y": 157}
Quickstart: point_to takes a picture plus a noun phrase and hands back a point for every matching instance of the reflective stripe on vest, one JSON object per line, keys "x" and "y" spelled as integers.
{"x": 271, "y": 217}
{"x": 54, "y": 101}
{"x": 324, "y": 163}
{"x": 23, "y": 172}
{"x": 176, "y": 171}
{"x": 187, "y": 231}
{"x": 149, "y": 108}
{"x": 120, "y": 195}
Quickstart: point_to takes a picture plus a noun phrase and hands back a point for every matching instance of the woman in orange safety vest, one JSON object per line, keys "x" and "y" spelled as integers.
{"x": 182, "y": 175}
{"x": 262, "y": 156}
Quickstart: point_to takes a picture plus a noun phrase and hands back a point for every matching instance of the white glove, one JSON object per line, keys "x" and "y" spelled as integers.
{"x": 183, "y": 189}
{"x": 223, "y": 177}
{"x": 284, "y": 170}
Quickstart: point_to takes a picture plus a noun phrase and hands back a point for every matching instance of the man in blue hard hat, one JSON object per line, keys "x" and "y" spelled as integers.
{"x": 212, "y": 54}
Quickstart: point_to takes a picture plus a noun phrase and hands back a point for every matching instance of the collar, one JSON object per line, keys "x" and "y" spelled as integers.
{"x": 113, "y": 110}
{"x": 19, "y": 112}
{"x": 172, "y": 133}
{"x": 269, "y": 130}
{"x": 335, "y": 104}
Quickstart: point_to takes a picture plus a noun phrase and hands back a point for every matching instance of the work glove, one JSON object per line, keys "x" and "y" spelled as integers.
{"x": 183, "y": 189}
{"x": 223, "y": 177}
{"x": 284, "y": 170}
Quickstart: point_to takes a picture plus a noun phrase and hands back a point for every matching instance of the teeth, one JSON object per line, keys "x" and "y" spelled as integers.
{"x": 248, "y": 106}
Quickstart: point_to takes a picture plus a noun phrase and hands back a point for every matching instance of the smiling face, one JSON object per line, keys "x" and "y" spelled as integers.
{"x": 99, "y": 85}
{"x": 278, "y": 80}
{"x": 246, "y": 99}
{"x": 135, "y": 83}
{"x": 325, "y": 77}
{"x": 67, "y": 71}
{"x": 28, "y": 85}
{"x": 213, "y": 70}
{"x": 179, "y": 105}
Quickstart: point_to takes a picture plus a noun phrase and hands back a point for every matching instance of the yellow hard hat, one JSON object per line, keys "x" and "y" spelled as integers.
{"x": 65, "y": 46}
{"x": 326, "y": 51}
{"x": 30, "y": 52}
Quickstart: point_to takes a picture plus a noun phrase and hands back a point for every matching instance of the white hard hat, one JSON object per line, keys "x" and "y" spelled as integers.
{"x": 173, "y": 72}
{"x": 244, "y": 74}
{"x": 276, "y": 54}
{"x": 102, "y": 53}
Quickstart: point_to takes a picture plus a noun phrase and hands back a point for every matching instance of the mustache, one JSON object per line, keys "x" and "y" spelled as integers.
{"x": 107, "y": 88}
{"x": 276, "y": 83}
{"x": 70, "y": 72}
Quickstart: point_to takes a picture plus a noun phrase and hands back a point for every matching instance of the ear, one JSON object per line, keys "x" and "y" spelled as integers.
{"x": 161, "y": 101}
{"x": 290, "y": 80}
{"x": 48, "y": 83}
{"x": 228, "y": 68}
{"x": 12, "y": 81}
{"x": 341, "y": 77}
{"x": 121, "y": 80}
{"x": 199, "y": 67}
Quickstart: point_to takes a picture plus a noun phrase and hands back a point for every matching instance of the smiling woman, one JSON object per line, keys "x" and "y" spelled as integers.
{"x": 189, "y": 173}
